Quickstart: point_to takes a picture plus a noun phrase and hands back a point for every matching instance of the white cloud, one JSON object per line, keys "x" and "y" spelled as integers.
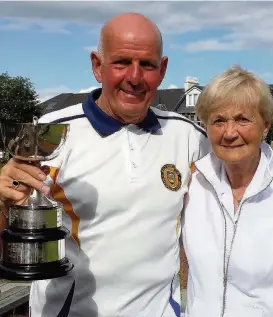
{"x": 212, "y": 45}
{"x": 247, "y": 24}
{"x": 88, "y": 89}
{"x": 48, "y": 93}
{"x": 172, "y": 86}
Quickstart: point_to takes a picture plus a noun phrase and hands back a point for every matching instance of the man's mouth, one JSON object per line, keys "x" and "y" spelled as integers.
{"x": 133, "y": 93}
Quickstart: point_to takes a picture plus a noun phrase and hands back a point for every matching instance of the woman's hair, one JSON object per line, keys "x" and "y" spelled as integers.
{"x": 237, "y": 87}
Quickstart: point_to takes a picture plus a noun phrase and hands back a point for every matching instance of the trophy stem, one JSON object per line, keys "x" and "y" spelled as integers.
{"x": 36, "y": 198}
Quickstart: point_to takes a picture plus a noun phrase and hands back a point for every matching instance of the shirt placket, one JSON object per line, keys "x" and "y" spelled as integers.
{"x": 134, "y": 155}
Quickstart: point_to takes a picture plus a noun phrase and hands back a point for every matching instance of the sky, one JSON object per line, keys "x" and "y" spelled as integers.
{"x": 50, "y": 42}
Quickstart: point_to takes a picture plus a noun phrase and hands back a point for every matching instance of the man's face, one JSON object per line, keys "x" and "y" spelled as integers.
{"x": 131, "y": 71}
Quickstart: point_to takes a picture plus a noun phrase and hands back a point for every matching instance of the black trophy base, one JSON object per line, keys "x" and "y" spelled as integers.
{"x": 29, "y": 272}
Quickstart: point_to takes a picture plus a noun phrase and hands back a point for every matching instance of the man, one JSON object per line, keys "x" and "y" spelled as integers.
{"x": 121, "y": 177}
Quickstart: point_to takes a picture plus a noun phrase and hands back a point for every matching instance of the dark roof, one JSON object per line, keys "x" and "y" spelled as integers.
{"x": 168, "y": 98}
{"x": 62, "y": 101}
{"x": 165, "y": 98}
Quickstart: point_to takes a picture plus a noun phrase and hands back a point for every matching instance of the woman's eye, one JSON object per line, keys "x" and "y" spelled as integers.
{"x": 217, "y": 121}
{"x": 243, "y": 120}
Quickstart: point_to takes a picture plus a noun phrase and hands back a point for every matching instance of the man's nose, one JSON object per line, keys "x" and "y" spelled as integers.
{"x": 134, "y": 74}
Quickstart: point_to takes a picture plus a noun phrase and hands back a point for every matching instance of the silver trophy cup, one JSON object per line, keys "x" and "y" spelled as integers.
{"x": 34, "y": 242}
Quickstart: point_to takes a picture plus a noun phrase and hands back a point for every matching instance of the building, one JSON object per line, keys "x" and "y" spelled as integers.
{"x": 180, "y": 100}
{"x": 166, "y": 99}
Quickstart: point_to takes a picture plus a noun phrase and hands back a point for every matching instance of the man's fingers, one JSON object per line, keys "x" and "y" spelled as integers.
{"x": 30, "y": 169}
{"x": 6, "y": 181}
{"x": 25, "y": 178}
{"x": 27, "y": 174}
{"x": 12, "y": 195}
{"x": 7, "y": 193}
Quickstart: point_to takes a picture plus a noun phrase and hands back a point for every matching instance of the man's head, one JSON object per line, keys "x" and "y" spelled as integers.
{"x": 129, "y": 65}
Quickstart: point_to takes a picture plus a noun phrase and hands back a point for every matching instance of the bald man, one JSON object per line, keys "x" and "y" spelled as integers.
{"x": 121, "y": 177}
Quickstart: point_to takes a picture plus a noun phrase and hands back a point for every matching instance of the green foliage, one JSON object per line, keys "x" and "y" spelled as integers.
{"x": 18, "y": 99}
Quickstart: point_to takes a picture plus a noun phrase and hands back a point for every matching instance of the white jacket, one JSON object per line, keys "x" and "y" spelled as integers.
{"x": 208, "y": 213}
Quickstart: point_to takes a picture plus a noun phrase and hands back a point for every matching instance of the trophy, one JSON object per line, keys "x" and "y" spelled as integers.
{"x": 33, "y": 245}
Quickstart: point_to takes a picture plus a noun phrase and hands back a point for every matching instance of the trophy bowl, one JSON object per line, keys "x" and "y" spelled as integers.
{"x": 33, "y": 245}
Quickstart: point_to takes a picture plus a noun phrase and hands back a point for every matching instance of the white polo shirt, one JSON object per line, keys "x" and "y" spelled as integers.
{"x": 122, "y": 187}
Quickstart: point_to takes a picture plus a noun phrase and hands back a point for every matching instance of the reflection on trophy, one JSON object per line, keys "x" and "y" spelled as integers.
{"x": 34, "y": 243}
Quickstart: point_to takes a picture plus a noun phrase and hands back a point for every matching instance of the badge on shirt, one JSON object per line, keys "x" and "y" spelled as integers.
{"x": 171, "y": 177}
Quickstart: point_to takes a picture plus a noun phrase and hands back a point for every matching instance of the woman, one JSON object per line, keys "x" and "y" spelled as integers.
{"x": 228, "y": 220}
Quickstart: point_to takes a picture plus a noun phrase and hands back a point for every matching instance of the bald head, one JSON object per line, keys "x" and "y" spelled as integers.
{"x": 134, "y": 25}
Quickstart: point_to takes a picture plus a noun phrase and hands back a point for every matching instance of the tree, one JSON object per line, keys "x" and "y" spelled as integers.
{"x": 18, "y": 99}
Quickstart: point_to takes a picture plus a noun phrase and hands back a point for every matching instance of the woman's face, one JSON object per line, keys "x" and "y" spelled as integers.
{"x": 236, "y": 133}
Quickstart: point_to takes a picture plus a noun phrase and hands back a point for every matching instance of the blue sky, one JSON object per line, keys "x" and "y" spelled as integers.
{"x": 49, "y": 42}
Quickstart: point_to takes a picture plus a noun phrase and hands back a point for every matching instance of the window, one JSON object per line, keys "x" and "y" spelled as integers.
{"x": 195, "y": 98}
{"x": 190, "y": 100}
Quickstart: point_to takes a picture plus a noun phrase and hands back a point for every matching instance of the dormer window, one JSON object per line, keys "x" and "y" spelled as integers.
{"x": 195, "y": 97}
{"x": 190, "y": 100}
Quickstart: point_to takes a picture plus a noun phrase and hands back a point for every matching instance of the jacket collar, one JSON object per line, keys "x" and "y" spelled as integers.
{"x": 106, "y": 125}
{"x": 212, "y": 168}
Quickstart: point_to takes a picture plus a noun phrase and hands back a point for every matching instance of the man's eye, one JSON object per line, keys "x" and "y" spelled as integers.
{"x": 147, "y": 65}
{"x": 122, "y": 62}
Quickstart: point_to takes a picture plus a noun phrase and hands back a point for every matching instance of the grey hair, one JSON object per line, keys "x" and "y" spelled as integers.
{"x": 235, "y": 86}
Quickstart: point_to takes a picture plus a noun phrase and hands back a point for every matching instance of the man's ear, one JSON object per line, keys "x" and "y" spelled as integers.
{"x": 96, "y": 66}
{"x": 163, "y": 67}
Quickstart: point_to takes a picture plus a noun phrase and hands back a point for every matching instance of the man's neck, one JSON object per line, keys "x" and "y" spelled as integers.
{"x": 105, "y": 107}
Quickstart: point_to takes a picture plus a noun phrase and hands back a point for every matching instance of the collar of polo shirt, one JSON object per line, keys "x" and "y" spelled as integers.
{"x": 106, "y": 125}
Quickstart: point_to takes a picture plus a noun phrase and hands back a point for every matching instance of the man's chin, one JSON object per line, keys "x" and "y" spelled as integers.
{"x": 132, "y": 115}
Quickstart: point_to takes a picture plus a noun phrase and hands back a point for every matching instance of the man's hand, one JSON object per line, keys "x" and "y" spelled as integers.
{"x": 29, "y": 177}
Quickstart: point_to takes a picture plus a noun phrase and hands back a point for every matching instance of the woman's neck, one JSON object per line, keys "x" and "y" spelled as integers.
{"x": 240, "y": 175}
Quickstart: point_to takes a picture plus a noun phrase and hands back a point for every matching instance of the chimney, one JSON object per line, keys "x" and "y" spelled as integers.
{"x": 190, "y": 82}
